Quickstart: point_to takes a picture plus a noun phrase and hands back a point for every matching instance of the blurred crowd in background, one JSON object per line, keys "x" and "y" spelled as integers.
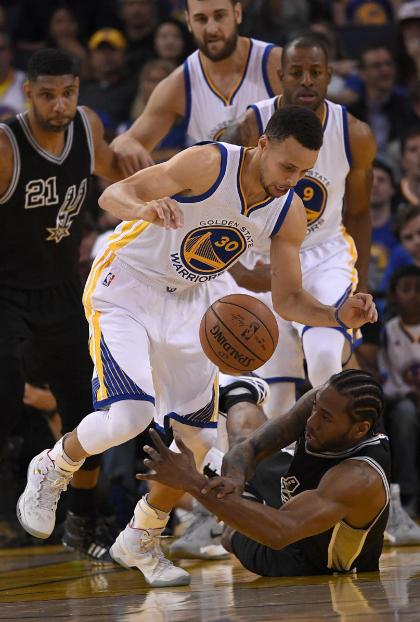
{"x": 126, "y": 47}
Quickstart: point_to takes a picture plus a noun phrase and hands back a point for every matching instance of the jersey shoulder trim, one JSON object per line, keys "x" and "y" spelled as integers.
{"x": 213, "y": 188}
{"x": 89, "y": 137}
{"x": 187, "y": 87}
{"x": 16, "y": 164}
{"x": 264, "y": 68}
{"x": 283, "y": 214}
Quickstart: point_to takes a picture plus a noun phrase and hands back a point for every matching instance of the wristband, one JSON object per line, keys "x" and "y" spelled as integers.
{"x": 337, "y": 319}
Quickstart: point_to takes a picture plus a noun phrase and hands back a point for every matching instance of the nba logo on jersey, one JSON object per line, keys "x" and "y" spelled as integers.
{"x": 108, "y": 279}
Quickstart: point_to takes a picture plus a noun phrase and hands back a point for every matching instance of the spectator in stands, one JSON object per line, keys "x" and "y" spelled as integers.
{"x": 342, "y": 67}
{"x": 362, "y": 12}
{"x": 110, "y": 91}
{"x": 151, "y": 74}
{"x": 12, "y": 99}
{"x": 63, "y": 33}
{"x": 140, "y": 19}
{"x": 172, "y": 41}
{"x": 400, "y": 364}
{"x": 408, "y": 43}
{"x": 410, "y": 164}
{"x": 387, "y": 112}
{"x": 383, "y": 237}
{"x": 275, "y": 20}
{"x": 407, "y": 253}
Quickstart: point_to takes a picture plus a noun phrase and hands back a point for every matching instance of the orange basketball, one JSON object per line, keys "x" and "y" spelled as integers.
{"x": 238, "y": 333}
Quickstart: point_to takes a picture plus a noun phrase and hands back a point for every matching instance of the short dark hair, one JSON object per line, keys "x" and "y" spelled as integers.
{"x": 387, "y": 169}
{"x": 233, "y": 2}
{"x": 305, "y": 42}
{"x": 405, "y": 214}
{"x": 366, "y": 396}
{"x": 399, "y": 274}
{"x": 52, "y": 62}
{"x": 298, "y": 122}
{"x": 411, "y": 132}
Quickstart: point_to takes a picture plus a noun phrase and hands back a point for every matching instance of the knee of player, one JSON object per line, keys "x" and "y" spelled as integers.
{"x": 128, "y": 418}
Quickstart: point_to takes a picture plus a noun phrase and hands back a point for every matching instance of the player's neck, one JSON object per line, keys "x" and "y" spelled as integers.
{"x": 235, "y": 62}
{"x": 53, "y": 142}
{"x": 320, "y": 111}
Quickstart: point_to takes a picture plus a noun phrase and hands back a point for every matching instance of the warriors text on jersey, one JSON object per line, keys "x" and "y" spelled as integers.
{"x": 343, "y": 547}
{"x": 41, "y": 209}
{"x": 322, "y": 189}
{"x": 207, "y": 111}
{"x": 219, "y": 226}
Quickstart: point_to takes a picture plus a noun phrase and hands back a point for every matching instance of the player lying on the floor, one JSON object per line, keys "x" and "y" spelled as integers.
{"x": 333, "y": 501}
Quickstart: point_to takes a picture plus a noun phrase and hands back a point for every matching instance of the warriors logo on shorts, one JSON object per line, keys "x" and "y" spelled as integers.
{"x": 210, "y": 250}
{"x": 314, "y": 196}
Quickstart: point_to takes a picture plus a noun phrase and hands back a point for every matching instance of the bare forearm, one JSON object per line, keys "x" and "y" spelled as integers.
{"x": 121, "y": 202}
{"x": 301, "y": 307}
{"x": 359, "y": 226}
{"x": 259, "y": 522}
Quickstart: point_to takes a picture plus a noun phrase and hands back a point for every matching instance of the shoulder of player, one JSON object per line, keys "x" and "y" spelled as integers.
{"x": 362, "y": 141}
{"x": 94, "y": 122}
{"x": 7, "y": 160}
{"x": 5, "y": 144}
{"x": 294, "y": 225}
{"x": 198, "y": 165}
{"x": 352, "y": 481}
{"x": 273, "y": 66}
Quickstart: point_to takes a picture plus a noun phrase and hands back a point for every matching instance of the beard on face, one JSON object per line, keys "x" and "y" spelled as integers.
{"x": 46, "y": 124}
{"x": 227, "y": 50}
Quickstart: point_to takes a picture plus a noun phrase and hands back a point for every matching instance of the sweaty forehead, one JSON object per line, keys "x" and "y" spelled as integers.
{"x": 304, "y": 56}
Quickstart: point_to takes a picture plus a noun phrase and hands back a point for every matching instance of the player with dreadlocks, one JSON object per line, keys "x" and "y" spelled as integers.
{"x": 328, "y": 513}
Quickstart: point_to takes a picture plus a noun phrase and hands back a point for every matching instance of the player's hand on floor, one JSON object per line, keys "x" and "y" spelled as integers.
{"x": 166, "y": 466}
{"x": 358, "y": 310}
{"x": 163, "y": 213}
{"x": 132, "y": 156}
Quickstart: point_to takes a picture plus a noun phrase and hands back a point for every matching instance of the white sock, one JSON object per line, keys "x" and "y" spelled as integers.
{"x": 61, "y": 459}
{"x": 148, "y": 517}
{"x": 213, "y": 460}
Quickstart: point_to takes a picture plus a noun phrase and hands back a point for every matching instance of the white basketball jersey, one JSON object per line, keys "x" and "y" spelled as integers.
{"x": 322, "y": 189}
{"x": 399, "y": 357}
{"x": 219, "y": 226}
{"x": 208, "y": 112}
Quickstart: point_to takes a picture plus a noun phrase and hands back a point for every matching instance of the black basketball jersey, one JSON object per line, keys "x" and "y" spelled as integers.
{"x": 341, "y": 548}
{"x": 41, "y": 211}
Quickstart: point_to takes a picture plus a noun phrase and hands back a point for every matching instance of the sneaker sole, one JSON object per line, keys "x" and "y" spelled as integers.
{"x": 116, "y": 555}
{"x": 27, "y": 528}
{"x": 184, "y": 553}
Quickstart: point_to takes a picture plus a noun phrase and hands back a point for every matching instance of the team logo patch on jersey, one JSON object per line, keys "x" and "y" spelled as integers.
{"x": 314, "y": 196}
{"x": 288, "y": 486}
{"x": 210, "y": 250}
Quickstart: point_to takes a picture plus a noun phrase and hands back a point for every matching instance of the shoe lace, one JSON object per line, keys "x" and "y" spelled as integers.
{"x": 151, "y": 544}
{"x": 50, "y": 488}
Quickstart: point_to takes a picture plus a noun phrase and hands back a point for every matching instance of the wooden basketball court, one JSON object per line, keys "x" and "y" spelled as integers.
{"x": 48, "y": 583}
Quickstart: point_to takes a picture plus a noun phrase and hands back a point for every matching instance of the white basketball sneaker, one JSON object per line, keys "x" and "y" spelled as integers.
{"x": 140, "y": 548}
{"x": 37, "y": 504}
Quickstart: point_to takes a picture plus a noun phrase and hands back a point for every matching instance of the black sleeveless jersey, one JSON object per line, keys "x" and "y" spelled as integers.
{"x": 41, "y": 211}
{"x": 342, "y": 548}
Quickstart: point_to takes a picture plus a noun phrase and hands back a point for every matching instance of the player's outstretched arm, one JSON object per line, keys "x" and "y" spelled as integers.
{"x": 351, "y": 490}
{"x": 356, "y": 215}
{"x": 147, "y": 194}
{"x": 107, "y": 163}
{"x": 7, "y": 163}
{"x": 293, "y": 302}
{"x": 242, "y": 132}
{"x": 165, "y": 104}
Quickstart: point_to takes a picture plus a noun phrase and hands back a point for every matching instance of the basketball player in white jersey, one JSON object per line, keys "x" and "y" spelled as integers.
{"x": 335, "y": 252}
{"x": 147, "y": 293}
{"x": 211, "y": 89}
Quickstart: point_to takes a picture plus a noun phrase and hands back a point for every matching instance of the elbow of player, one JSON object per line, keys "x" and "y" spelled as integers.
{"x": 283, "y": 309}
{"x": 275, "y": 541}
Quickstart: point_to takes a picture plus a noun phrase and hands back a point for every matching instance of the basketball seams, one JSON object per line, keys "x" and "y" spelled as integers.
{"x": 235, "y": 336}
{"x": 225, "y": 302}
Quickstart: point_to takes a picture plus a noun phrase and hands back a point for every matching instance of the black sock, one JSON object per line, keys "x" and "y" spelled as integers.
{"x": 81, "y": 501}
